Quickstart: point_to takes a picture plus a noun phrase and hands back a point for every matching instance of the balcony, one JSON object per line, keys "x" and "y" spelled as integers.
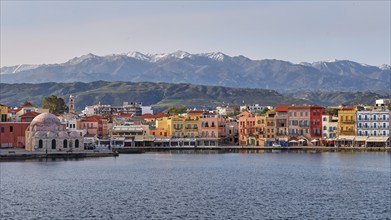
{"x": 348, "y": 122}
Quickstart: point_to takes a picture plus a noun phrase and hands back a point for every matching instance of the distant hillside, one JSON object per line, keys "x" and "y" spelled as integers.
{"x": 160, "y": 95}
{"x": 337, "y": 98}
{"x": 163, "y": 95}
{"x": 216, "y": 69}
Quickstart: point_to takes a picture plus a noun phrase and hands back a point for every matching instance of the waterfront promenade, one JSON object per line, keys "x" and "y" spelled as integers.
{"x": 21, "y": 154}
{"x": 251, "y": 148}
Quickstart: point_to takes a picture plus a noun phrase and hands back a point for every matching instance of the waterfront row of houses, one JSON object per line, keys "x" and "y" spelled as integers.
{"x": 103, "y": 125}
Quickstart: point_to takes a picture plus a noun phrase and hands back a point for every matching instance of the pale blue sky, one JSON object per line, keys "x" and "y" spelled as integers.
{"x": 54, "y": 32}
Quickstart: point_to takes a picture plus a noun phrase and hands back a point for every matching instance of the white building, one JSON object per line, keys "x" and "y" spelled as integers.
{"x": 255, "y": 108}
{"x": 373, "y": 123}
{"x": 382, "y": 102}
{"x": 329, "y": 126}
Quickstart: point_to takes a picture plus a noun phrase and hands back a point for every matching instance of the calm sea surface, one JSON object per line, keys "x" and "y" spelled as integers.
{"x": 200, "y": 186}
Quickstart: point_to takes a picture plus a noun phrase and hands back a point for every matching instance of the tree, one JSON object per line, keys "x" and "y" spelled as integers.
{"x": 54, "y": 104}
{"x": 331, "y": 111}
{"x": 175, "y": 110}
{"x": 264, "y": 111}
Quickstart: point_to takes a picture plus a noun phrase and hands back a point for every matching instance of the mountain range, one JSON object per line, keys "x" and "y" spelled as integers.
{"x": 216, "y": 69}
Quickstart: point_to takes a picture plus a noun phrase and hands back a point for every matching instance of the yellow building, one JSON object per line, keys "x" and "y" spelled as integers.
{"x": 162, "y": 127}
{"x": 178, "y": 126}
{"x": 347, "y": 121}
{"x": 4, "y": 112}
{"x": 260, "y": 127}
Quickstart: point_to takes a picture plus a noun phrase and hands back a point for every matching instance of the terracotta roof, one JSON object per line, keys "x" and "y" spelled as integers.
{"x": 30, "y": 114}
{"x": 158, "y": 115}
{"x": 126, "y": 115}
{"x": 15, "y": 110}
{"x": 195, "y": 112}
{"x": 27, "y": 104}
{"x": 347, "y": 108}
{"x": 282, "y": 108}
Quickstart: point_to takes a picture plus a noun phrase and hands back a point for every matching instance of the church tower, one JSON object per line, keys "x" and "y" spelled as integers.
{"x": 72, "y": 104}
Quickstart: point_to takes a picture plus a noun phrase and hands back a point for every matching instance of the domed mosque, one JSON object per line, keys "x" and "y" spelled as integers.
{"x": 45, "y": 133}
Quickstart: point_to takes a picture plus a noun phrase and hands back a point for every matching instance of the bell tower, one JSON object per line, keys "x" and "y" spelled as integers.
{"x": 72, "y": 104}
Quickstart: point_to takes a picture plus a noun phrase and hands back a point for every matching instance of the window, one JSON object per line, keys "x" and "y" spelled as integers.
{"x": 40, "y": 144}
{"x": 11, "y": 129}
{"x": 65, "y": 144}
{"x": 76, "y": 143}
{"x": 53, "y": 144}
{"x": 2, "y": 129}
{"x": 324, "y": 128}
{"x": 374, "y": 117}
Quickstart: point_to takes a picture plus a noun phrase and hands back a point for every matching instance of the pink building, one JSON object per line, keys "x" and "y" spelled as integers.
{"x": 210, "y": 126}
{"x": 305, "y": 121}
{"x": 246, "y": 127}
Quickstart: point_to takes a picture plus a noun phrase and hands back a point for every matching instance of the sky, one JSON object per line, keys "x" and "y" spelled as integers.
{"x": 45, "y": 32}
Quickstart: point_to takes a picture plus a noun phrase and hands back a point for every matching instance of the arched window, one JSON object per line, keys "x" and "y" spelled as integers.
{"x": 76, "y": 143}
{"x": 40, "y": 144}
{"x": 53, "y": 144}
{"x": 65, "y": 145}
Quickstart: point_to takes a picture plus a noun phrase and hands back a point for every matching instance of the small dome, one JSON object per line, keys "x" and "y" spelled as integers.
{"x": 74, "y": 134}
{"x": 40, "y": 134}
{"x": 50, "y": 134}
{"x": 63, "y": 134}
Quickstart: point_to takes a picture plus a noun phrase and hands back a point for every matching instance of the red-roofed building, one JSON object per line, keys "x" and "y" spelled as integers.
{"x": 305, "y": 121}
{"x": 153, "y": 117}
{"x": 28, "y": 117}
{"x": 281, "y": 122}
{"x": 95, "y": 125}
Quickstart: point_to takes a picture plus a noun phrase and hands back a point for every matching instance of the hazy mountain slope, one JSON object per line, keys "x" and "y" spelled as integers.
{"x": 161, "y": 95}
{"x": 207, "y": 69}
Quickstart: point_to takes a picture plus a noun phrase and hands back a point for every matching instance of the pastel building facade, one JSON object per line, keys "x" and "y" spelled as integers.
{"x": 373, "y": 123}
{"x": 305, "y": 121}
{"x": 330, "y": 126}
{"x": 247, "y": 129}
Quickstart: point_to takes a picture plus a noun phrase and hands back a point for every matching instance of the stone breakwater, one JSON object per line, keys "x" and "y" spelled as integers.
{"x": 21, "y": 154}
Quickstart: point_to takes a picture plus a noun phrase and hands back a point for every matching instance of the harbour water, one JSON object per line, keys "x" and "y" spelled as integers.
{"x": 283, "y": 185}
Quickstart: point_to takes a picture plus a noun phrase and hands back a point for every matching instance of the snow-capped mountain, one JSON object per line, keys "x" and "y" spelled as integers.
{"x": 207, "y": 69}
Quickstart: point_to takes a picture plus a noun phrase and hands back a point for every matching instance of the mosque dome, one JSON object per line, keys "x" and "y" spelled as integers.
{"x": 46, "y": 122}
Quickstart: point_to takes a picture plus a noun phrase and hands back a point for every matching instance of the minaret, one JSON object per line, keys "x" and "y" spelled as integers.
{"x": 72, "y": 104}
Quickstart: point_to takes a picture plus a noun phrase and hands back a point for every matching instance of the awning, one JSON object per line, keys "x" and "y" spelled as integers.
{"x": 301, "y": 140}
{"x": 345, "y": 138}
{"x": 377, "y": 139}
{"x": 292, "y": 141}
{"x": 315, "y": 140}
{"x": 360, "y": 138}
